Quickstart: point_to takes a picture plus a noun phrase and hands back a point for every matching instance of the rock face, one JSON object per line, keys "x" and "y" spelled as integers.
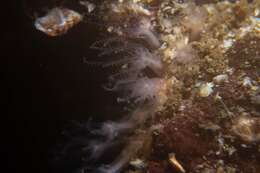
{"x": 192, "y": 69}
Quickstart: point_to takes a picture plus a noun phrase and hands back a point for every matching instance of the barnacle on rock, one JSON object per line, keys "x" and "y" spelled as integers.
{"x": 247, "y": 128}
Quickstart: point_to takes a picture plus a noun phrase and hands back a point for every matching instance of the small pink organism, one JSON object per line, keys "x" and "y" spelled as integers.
{"x": 145, "y": 30}
{"x": 57, "y": 21}
{"x": 195, "y": 19}
{"x": 184, "y": 52}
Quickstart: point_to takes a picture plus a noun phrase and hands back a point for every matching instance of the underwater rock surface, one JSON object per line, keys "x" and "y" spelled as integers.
{"x": 189, "y": 74}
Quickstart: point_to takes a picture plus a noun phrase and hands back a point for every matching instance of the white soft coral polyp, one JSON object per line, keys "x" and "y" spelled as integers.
{"x": 145, "y": 89}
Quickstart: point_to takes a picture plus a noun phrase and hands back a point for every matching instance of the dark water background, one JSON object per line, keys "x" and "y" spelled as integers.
{"x": 48, "y": 86}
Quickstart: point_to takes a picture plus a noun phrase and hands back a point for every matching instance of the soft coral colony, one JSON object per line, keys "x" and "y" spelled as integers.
{"x": 174, "y": 67}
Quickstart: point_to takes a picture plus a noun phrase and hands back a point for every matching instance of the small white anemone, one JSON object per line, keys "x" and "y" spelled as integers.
{"x": 195, "y": 19}
{"x": 144, "y": 58}
{"x": 184, "y": 53}
{"x": 146, "y": 89}
{"x": 144, "y": 30}
{"x": 141, "y": 89}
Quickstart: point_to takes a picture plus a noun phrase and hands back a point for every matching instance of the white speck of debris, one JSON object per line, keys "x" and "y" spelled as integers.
{"x": 244, "y": 31}
{"x": 231, "y": 151}
{"x": 141, "y": 9}
{"x": 110, "y": 28}
{"x": 157, "y": 127}
{"x": 247, "y": 82}
{"x": 228, "y": 43}
{"x": 230, "y": 71}
{"x": 231, "y": 34}
{"x": 256, "y": 12}
{"x": 206, "y": 89}
{"x": 220, "y": 141}
{"x": 244, "y": 146}
{"x": 182, "y": 108}
{"x": 90, "y": 6}
{"x": 220, "y": 78}
{"x": 138, "y": 163}
{"x": 255, "y": 22}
